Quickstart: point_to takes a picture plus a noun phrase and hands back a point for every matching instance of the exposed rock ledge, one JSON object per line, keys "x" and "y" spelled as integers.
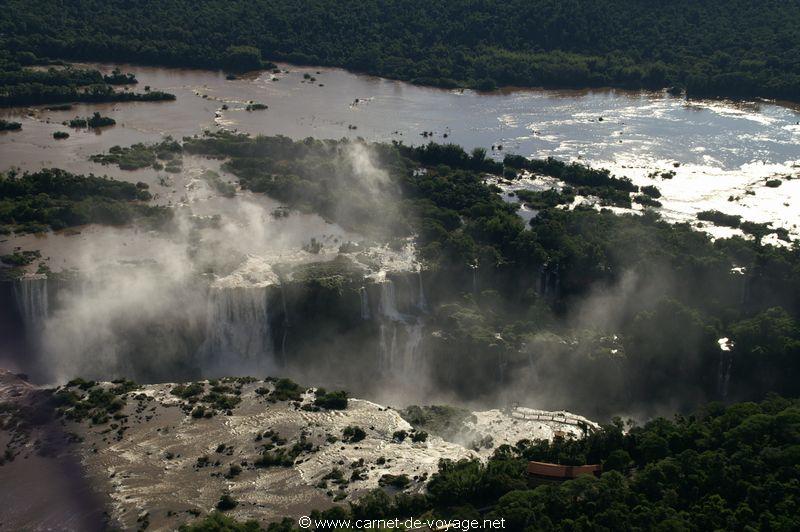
{"x": 153, "y": 459}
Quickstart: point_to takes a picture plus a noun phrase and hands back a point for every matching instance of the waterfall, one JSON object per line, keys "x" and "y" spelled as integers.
{"x": 238, "y": 338}
{"x": 33, "y": 303}
{"x": 745, "y": 290}
{"x": 726, "y": 381}
{"x": 549, "y": 281}
{"x": 501, "y": 369}
{"x": 283, "y": 346}
{"x": 405, "y": 360}
{"x": 365, "y": 314}
{"x": 556, "y": 283}
{"x": 387, "y": 359}
{"x": 285, "y": 326}
{"x": 724, "y": 367}
{"x": 411, "y": 351}
{"x": 387, "y": 305}
{"x": 401, "y": 356}
{"x": 389, "y": 316}
{"x": 475, "y": 279}
{"x": 422, "y": 303}
{"x": 724, "y": 374}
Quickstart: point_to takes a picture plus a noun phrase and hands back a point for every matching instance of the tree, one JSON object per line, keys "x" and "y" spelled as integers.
{"x": 242, "y": 58}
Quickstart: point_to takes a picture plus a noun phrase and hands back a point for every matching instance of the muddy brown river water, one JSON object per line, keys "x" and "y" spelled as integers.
{"x": 717, "y": 149}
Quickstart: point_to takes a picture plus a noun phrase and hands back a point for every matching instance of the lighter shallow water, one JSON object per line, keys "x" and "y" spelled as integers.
{"x": 723, "y": 148}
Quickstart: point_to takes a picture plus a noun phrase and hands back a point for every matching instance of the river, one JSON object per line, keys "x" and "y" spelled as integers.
{"x": 717, "y": 149}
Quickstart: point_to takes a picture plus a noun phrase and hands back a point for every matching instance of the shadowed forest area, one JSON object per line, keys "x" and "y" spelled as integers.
{"x": 711, "y": 48}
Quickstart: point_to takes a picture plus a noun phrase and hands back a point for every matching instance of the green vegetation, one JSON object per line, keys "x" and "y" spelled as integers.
{"x": 20, "y": 258}
{"x": 55, "y": 199}
{"x": 309, "y": 175}
{"x": 547, "y": 198}
{"x": 576, "y": 174}
{"x": 331, "y": 400}
{"x": 275, "y": 454}
{"x": 332, "y": 274}
{"x": 720, "y": 218}
{"x": 646, "y": 201}
{"x": 79, "y": 400}
{"x": 651, "y": 190}
{"x": 226, "y": 502}
{"x": 217, "y": 522}
{"x": 504, "y": 289}
{"x": 254, "y": 106}
{"x": 419, "y": 436}
{"x": 5, "y": 125}
{"x": 352, "y": 434}
{"x": 732, "y": 48}
{"x": 20, "y": 85}
{"x": 118, "y": 78}
{"x": 95, "y": 121}
{"x": 215, "y": 181}
{"x": 706, "y": 471}
{"x": 722, "y": 468}
{"x": 187, "y": 391}
{"x": 563, "y": 255}
{"x": 443, "y": 420}
{"x": 60, "y": 135}
{"x": 610, "y": 190}
{"x": 278, "y": 458}
{"x": 285, "y": 390}
{"x": 221, "y": 398}
{"x": 26, "y": 79}
{"x": 142, "y": 155}
{"x": 395, "y": 481}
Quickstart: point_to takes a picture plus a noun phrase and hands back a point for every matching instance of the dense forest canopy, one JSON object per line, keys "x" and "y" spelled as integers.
{"x": 714, "y": 47}
{"x": 56, "y": 199}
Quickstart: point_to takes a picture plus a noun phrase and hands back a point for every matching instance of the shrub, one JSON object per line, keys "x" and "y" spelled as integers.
{"x": 395, "y": 481}
{"x": 331, "y": 400}
{"x": 226, "y": 502}
{"x": 353, "y": 434}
